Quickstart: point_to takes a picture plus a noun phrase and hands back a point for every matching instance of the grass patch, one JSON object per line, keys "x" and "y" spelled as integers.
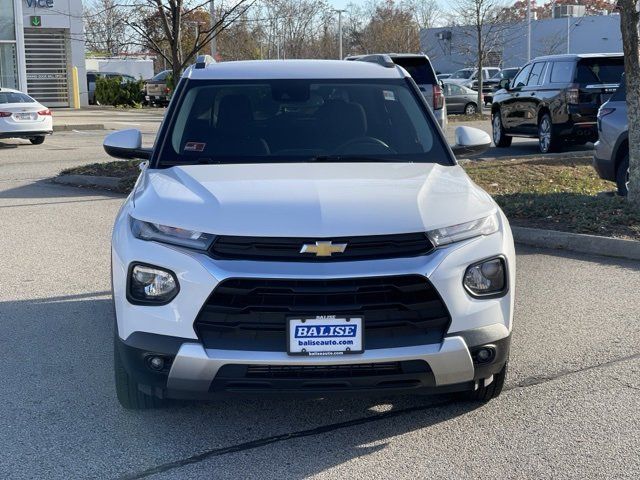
{"x": 126, "y": 170}
{"x": 556, "y": 194}
{"x": 118, "y": 168}
{"x": 461, "y": 117}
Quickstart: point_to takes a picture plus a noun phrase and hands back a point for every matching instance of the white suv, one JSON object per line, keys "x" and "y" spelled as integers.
{"x": 302, "y": 227}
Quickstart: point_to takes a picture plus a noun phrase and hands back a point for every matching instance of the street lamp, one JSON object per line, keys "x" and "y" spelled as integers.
{"x": 340, "y": 12}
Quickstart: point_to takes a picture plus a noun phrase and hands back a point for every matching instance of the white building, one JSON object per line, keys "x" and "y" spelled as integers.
{"x": 452, "y": 48}
{"x": 40, "y": 42}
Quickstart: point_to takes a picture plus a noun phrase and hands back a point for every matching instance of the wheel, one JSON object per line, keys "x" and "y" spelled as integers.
{"x": 129, "y": 396}
{"x": 622, "y": 176}
{"x": 500, "y": 139}
{"x": 470, "y": 109}
{"x": 491, "y": 391}
{"x": 547, "y": 140}
{"x": 37, "y": 140}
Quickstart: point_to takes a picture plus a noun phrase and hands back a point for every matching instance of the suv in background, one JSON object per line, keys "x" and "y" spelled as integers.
{"x": 556, "y": 99}
{"x": 156, "y": 90}
{"x": 468, "y": 77}
{"x": 420, "y": 68}
{"x": 91, "y": 82}
{"x": 492, "y": 85}
{"x": 611, "y": 157}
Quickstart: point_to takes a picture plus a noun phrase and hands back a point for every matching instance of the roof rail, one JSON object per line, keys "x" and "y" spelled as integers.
{"x": 203, "y": 60}
{"x": 381, "y": 59}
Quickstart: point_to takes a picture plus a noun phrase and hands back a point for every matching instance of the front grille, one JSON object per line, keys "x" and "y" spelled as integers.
{"x": 288, "y": 249}
{"x": 250, "y": 314}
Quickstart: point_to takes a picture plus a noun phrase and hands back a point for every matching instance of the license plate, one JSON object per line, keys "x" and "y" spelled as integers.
{"x": 324, "y": 335}
{"x": 25, "y": 116}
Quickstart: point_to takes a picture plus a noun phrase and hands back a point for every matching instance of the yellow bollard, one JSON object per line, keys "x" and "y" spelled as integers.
{"x": 76, "y": 87}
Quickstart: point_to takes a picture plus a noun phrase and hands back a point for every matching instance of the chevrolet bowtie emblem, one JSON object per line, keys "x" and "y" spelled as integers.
{"x": 323, "y": 249}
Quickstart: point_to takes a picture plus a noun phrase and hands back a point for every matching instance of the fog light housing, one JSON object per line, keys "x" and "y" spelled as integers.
{"x": 149, "y": 285}
{"x": 487, "y": 278}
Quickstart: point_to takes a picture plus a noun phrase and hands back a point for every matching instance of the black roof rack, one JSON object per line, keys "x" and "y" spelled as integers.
{"x": 380, "y": 59}
{"x": 203, "y": 60}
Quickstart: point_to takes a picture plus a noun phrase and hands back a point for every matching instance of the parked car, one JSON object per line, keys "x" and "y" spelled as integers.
{"x": 91, "y": 82}
{"x": 555, "y": 99}
{"x": 157, "y": 92}
{"x": 420, "y": 68}
{"x": 492, "y": 84}
{"x": 302, "y": 226}
{"x": 611, "y": 157}
{"x": 23, "y": 117}
{"x": 443, "y": 76}
{"x": 467, "y": 76}
{"x": 460, "y": 99}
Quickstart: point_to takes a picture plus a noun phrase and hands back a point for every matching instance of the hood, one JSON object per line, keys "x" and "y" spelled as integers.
{"x": 310, "y": 199}
{"x": 459, "y": 81}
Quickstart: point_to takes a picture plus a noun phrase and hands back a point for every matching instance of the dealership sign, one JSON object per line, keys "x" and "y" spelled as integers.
{"x": 39, "y": 3}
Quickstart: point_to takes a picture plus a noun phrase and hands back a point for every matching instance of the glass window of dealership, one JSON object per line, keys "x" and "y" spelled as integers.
{"x": 40, "y": 43}
{"x": 9, "y": 73}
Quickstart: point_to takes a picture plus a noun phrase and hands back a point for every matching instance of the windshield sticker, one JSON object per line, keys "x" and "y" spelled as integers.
{"x": 389, "y": 95}
{"x": 194, "y": 147}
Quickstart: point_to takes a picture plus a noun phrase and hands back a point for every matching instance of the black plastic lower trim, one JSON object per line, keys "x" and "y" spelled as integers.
{"x": 38, "y": 133}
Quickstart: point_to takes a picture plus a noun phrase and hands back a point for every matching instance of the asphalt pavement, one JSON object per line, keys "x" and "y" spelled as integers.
{"x": 570, "y": 409}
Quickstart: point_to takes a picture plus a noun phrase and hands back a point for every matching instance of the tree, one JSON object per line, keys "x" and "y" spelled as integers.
{"x": 160, "y": 26}
{"x": 486, "y": 30}
{"x": 106, "y": 27}
{"x": 629, "y": 18}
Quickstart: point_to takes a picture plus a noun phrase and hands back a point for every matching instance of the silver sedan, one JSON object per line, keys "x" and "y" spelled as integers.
{"x": 460, "y": 99}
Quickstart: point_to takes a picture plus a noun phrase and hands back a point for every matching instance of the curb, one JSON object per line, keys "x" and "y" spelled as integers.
{"x": 88, "y": 181}
{"x": 80, "y": 126}
{"x": 577, "y": 242}
{"x": 584, "y": 155}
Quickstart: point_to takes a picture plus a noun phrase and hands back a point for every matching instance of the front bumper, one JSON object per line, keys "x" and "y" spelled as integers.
{"x": 195, "y": 372}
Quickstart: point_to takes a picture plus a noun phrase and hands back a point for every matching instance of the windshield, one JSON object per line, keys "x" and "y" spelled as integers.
{"x": 507, "y": 73}
{"x": 463, "y": 74}
{"x": 161, "y": 76}
{"x": 300, "y": 120}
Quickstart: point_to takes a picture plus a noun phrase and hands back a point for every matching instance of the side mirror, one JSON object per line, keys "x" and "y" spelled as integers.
{"x": 126, "y": 144}
{"x": 471, "y": 141}
{"x": 504, "y": 83}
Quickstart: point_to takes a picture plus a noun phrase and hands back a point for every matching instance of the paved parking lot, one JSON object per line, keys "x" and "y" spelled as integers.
{"x": 570, "y": 409}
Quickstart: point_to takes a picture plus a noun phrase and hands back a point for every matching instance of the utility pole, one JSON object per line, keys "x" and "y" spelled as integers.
{"x": 213, "y": 42}
{"x": 339, "y": 12}
{"x": 528, "y": 30}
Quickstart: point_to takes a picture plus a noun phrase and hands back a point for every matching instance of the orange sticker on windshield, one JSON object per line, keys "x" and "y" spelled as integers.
{"x": 194, "y": 147}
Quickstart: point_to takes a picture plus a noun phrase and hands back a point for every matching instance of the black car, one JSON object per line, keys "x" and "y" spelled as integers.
{"x": 492, "y": 85}
{"x": 555, "y": 99}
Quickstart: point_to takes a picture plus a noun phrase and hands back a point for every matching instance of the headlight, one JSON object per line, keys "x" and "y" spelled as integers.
{"x": 486, "y": 278}
{"x": 172, "y": 235}
{"x": 463, "y": 231}
{"x": 151, "y": 285}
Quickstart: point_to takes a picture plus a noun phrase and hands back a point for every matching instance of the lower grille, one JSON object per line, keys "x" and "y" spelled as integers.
{"x": 251, "y": 314}
{"x": 323, "y": 371}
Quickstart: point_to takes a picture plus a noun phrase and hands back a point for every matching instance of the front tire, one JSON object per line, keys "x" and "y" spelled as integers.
{"x": 500, "y": 139}
{"x": 129, "y": 395}
{"x": 622, "y": 176}
{"x": 470, "y": 109}
{"x": 547, "y": 139}
{"x": 491, "y": 391}
{"x": 37, "y": 140}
